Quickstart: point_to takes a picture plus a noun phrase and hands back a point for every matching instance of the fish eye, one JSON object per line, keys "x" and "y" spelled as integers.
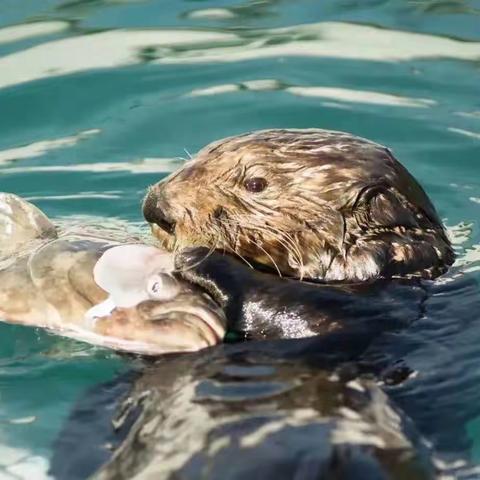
{"x": 255, "y": 184}
{"x": 162, "y": 287}
{"x": 155, "y": 287}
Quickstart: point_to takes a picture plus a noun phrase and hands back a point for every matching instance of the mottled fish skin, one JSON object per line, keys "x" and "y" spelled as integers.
{"x": 21, "y": 223}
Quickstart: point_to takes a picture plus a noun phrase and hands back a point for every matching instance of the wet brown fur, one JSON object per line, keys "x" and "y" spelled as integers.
{"x": 336, "y": 207}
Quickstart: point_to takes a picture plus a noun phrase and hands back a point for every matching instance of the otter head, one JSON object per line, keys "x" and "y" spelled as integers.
{"x": 313, "y": 204}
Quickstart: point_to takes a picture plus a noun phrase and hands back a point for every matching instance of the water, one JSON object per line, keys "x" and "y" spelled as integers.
{"x": 98, "y": 99}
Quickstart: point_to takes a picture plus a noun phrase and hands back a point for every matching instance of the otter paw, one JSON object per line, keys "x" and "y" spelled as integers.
{"x": 191, "y": 257}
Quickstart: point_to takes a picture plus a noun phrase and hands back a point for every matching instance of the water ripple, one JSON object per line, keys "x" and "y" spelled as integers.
{"x": 128, "y": 47}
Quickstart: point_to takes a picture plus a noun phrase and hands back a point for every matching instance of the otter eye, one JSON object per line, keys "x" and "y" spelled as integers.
{"x": 255, "y": 184}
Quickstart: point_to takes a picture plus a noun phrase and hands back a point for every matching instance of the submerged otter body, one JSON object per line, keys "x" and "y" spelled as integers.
{"x": 231, "y": 414}
{"x": 312, "y": 204}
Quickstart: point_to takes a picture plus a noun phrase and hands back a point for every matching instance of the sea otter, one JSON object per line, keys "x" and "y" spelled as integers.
{"x": 311, "y": 204}
{"x": 316, "y": 205}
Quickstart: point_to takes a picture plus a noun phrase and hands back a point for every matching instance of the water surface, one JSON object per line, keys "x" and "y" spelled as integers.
{"x": 98, "y": 99}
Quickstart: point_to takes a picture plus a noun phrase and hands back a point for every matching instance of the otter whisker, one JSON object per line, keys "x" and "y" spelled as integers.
{"x": 234, "y": 250}
{"x": 285, "y": 239}
{"x": 288, "y": 242}
{"x": 190, "y": 267}
{"x": 253, "y": 207}
{"x": 242, "y": 258}
{"x": 268, "y": 230}
{"x": 285, "y": 236}
{"x": 271, "y": 258}
{"x": 278, "y": 237}
{"x": 196, "y": 264}
{"x": 232, "y": 233}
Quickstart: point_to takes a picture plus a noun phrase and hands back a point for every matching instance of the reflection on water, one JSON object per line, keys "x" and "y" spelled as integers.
{"x": 284, "y": 419}
{"x": 341, "y": 94}
{"x": 461, "y": 131}
{"x": 240, "y": 12}
{"x": 452, "y": 6}
{"x": 122, "y": 48}
{"x": 99, "y": 99}
{"x": 144, "y": 165}
{"x": 38, "y": 149}
{"x": 17, "y": 33}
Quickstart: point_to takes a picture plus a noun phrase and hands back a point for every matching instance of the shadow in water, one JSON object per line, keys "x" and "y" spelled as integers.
{"x": 249, "y": 409}
{"x": 310, "y": 408}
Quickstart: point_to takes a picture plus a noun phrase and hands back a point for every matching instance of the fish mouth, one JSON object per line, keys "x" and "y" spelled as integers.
{"x": 207, "y": 321}
{"x": 192, "y": 333}
{"x": 162, "y": 327}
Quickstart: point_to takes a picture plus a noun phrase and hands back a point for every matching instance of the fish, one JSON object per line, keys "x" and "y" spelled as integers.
{"x": 126, "y": 296}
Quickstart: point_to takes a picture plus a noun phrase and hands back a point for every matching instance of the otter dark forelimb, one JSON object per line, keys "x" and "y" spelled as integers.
{"x": 262, "y": 305}
{"x": 313, "y": 204}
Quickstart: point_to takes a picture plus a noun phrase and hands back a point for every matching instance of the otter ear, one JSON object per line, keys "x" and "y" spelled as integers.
{"x": 411, "y": 242}
{"x": 383, "y": 207}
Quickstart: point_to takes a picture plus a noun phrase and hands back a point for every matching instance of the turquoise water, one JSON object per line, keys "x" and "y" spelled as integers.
{"x": 98, "y": 99}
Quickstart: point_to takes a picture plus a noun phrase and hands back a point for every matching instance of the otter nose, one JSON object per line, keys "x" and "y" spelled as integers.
{"x": 155, "y": 210}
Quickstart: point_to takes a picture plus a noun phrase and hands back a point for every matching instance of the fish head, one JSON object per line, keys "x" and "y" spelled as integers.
{"x": 150, "y": 306}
